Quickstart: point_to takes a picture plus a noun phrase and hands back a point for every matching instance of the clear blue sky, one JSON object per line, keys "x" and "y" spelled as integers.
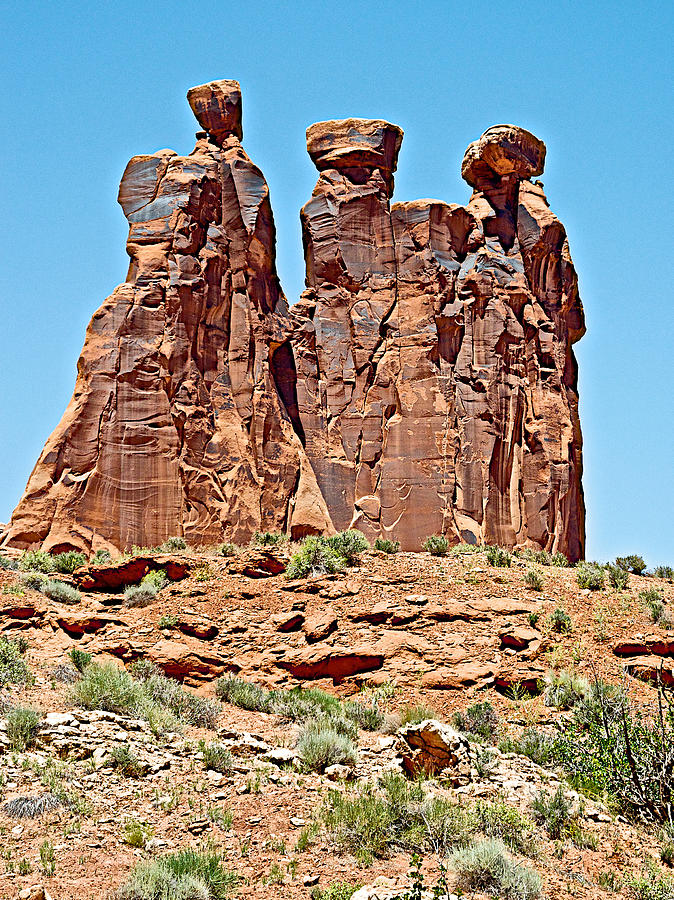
{"x": 85, "y": 86}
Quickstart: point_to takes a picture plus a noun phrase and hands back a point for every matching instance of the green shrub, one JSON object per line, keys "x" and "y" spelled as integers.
{"x": 140, "y": 595}
{"x": 22, "y": 727}
{"x": 654, "y": 601}
{"x": 564, "y": 689}
{"x": 167, "y": 621}
{"x": 168, "y": 694}
{"x": 465, "y": 549}
{"x": 486, "y": 866}
{"x": 635, "y": 564}
{"x": 384, "y": 545}
{"x": 618, "y": 577}
{"x": 533, "y": 579}
{"x": 480, "y": 719}
{"x": 532, "y": 618}
{"x": 173, "y": 545}
{"x": 61, "y": 592}
{"x": 31, "y": 806}
{"x": 367, "y": 714}
{"x": 553, "y": 811}
{"x": 268, "y": 539}
{"x": 157, "y": 579}
{"x": 413, "y": 713}
{"x": 67, "y": 562}
{"x": 110, "y": 688}
{"x": 532, "y": 743}
{"x": 242, "y": 693}
{"x": 349, "y": 544}
{"x": 227, "y": 549}
{"x": 503, "y": 821}
{"x": 498, "y": 556}
{"x": 216, "y": 756}
{"x": 13, "y": 668}
{"x": 436, "y": 545}
{"x": 559, "y": 560}
{"x": 590, "y": 576}
{"x": 34, "y": 580}
{"x": 7, "y": 563}
{"x": 79, "y": 658}
{"x": 101, "y": 557}
{"x": 136, "y": 834}
{"x": 315, "y": 557}
{"x": 560, "y": 621}
{"x": 649, "y": 885}
{"x": 185, "y": 875}
{"x": 125, "y": 761}
{"x": 664, "y": 572}
{"x": 338, "y": 890}
{"x": 320, "y": 745}
{"x": 37, "y": 561}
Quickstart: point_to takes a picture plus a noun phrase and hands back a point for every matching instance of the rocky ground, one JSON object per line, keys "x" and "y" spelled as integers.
{"x": 407, "y": 628}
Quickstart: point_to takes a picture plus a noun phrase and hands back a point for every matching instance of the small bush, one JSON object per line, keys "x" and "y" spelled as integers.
{"x": 187, "y": 707}
{"x": 31, "y": 807}
{"x": 650, "y": 885}
{"x": 173, "y": 545}
{"x": 532, "y": 743}
{"x": 412, "y": 714}
{"x": 618, "y": 577}
{"x": 7, "y": 563}
{"x": 216, "y": 756}
{"x": 564, "y": 689}
{"x": 140, "y": 595}
{"x": 590, "y": 576}
{"x": 101, "y": 557}
{"x": 315, "y": 557}
{"x": 338, "y": 890}
{"x": 349, "y": 544}
{"x": 634, "y": 564}
{"x": 79, "y": 658}
{"x": 384, "y": 545}
{"x": 436, "y": 545}
{"x": 125, "y": 761}
{"x": 533, "y": 618}
{"x": 34, "y": 580}
{"x": 498, "y": 556}
{"x": 66, "y": 563}
{"x": 136, "y": 834}
{"x": 366, "y": 714}
{"x": 37, "y": 561}
{"x": 320, "y": 745}
{"x": 560, "y": 621}
{"x": 664, "y": 572}
{"x": 553, "y": 811}
{"x": 227, "y": 549}
{"x": 167, "y": 621}
{"x": 486, "y": 866}
{"x": 185, "y": 875}
{"x": 157, "y": 579}
{"x": 22, "y": 727}
{"x": 13, "y": 668}
{"x": 533, "y": 579}
{"x": 268, "y": 539}
{"x": 61, "y": 592}
{"x": 110, "y": 688}
{"x": 503, "y": 821}
{"x": 242, "y": 693}
{"x": 559, "y": 560}
{"x": 480, "y": 719}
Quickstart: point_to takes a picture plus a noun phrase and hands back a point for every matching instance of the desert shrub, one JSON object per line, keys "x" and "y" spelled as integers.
{"x": 465, "y": 549}
{"x": 173, "y": 545}
{"x": 532, "y": 743}
{"x": 315, "y": 557}
{"x": 110, "y": 688}
{"x": 654, "y": 601}
{"x": 7, "y": 563}
{"x": 31, "y": 806}
{"x": 227, "y": 549}
{"x": 501, "y": 820}
{"x": 618, "y": 577}
{"x": 67, "y": 562}
{"x": 560, "y": 621}
{"x": 167, "y": 621}
{"x": 185, "y": 706}
{"x": 564, "y": 689}
{"x": 320, "y": 745}
{"x": 532, "y": 618}
{"x": 61, "y": 592}
{"x": 185, "y": 875}
{"x": 367, "y": 714}
{"x": 13, "y": 667}
{"x": 64, "y": 674}
{"x": 384, "y": 545}
{"x": 37, "y": 561}
{"x": 135, "y": 833}
{"x": 349, "y": 544}
{"x": 413, "y": 713}
{"x": 498, "y": 556}
{"x": 664, "y": 572}
{"x": 242, "y": 693}
{"x": 633, "y": 563}
{"x": 486, "y": 866}
{"x": 215, "y": 756}
{"x": 479, "y": 719}
{"x": 559, "y": 560}
{"x": 590, "y": 575}
{"x": 533, "y": 579}
{"x": 125, "y": 761}
{"x": 338, "y": 890}
{"x": 79, "y": 658}
{"x": 649, "y": 885}
{"x": 436, "y": 545}
{"x": 101, "y": 557}
{"x": 268, "y": 539}
{"x": 158, "y": 579}
{"x": 34, "y": 580}
{"x": 139, "y": 595}
{"x": 22, "y": 727}
{"x": 553, "y": 811}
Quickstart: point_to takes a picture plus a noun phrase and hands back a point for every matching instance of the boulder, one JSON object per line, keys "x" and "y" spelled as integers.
{"x": 433, "y": 748}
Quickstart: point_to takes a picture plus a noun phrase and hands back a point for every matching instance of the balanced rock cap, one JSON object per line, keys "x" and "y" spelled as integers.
{"x": 351, "y": 143}
{"x": 503, "y": 150}
{"x": 217, "y": 107}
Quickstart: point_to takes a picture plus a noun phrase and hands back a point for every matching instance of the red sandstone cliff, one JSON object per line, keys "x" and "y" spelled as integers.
{"x": 426, "y": 381}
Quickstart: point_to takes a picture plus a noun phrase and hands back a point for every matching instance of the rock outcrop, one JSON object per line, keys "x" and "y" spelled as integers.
{"x": 424, "y": 383}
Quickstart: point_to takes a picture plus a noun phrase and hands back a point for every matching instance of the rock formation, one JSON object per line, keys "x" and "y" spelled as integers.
{"x": 424, "y": 383}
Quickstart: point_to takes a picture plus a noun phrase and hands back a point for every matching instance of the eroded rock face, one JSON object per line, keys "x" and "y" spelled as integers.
{"x": 424, "y": 383}
{"x": 436, "y": 380}
{"x": 178, "y": 423}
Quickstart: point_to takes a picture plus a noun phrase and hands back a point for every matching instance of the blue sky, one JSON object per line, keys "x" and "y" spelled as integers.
{"x": 86, "y": 86}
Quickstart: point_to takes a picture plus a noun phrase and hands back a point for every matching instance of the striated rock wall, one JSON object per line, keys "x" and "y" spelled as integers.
{"x": 424, "y": 383}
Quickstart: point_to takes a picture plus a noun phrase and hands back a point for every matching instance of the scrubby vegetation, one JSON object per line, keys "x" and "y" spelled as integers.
{"x": 480, "y": 719}
{"x": 436, "y": 545}
{"x": 618, "y": 576}
{"x": 186, "y": 875}
{"x": 564, "y": 689}
{"x": 315, "y": 557}
{"x": 349, "y": 544}
{"x": 67, "y": 562}
{"x": 486, "y": 866}
{"x": 384, "y": 545}
{"x": 22, "y": 727}
{"x": 633, "y": 563}
{"x": 321, "y": 744}
{"x": 590, "y": 576}
{"x": 173, "y": 545}
{"x": 268, "y": 539}
{"x": 61, "y": 592}
{"x": 498, "y": 556}
{"x": 560, "y": 621}
{"x": 533, "y": 579}
{"x": 13, "y": 667}
{"x": 215, "y": 756}
{"x": 37, "y": 561}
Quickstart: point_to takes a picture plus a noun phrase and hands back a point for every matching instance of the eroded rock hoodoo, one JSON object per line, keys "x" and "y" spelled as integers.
{"x": 425, "y": 382}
